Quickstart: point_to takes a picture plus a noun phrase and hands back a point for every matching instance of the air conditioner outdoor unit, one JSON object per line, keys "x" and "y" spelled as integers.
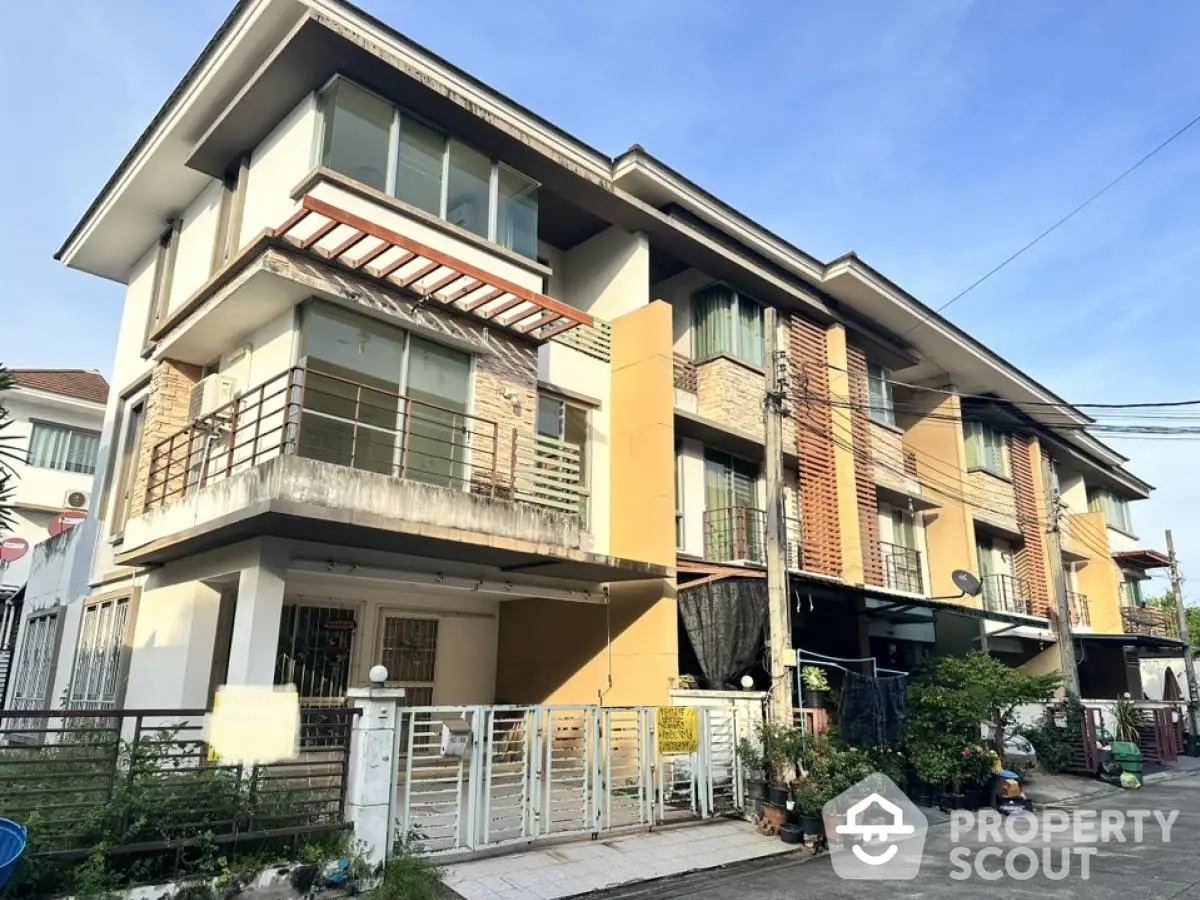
{"x": 76, "y": 500}
{"x": 209, "y": 395}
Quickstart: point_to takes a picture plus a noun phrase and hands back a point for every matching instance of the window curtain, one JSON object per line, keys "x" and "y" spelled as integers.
{"x": 48, "y": 446}
{"x": 81, "y": 456}
{"x": 712, "y": 310}
{"x": 880, "y": 397}
{"x": 750, "y": 332}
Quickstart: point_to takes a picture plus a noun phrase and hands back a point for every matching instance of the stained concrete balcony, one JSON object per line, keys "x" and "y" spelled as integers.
{"x": 313, "y": 456}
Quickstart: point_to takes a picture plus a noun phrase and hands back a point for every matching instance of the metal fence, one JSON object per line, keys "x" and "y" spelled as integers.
{"x": 537, "y": 772}
{"x": 138, "y": 781}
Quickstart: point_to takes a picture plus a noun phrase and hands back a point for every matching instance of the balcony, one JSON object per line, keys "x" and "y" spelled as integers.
{"x": 1078, "y": 605}
{"x": 1005, "y": 594}
{"x": 901, "y": 568}
{"x": 1149, "y": 620}
{"x": 312, "y": 455}
{"x": 684, "y": 374}
{"x": 737, "y": 534}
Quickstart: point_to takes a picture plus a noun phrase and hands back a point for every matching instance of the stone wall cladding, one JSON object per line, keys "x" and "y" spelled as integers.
{"x": 864, "y": 467}
{"x": 731, "y": 394}
{"x": 167, "y": 403}
{"x": 808, "y": 359}
{"x": 1030, "y": 558}
{"x": 992, "y": 499}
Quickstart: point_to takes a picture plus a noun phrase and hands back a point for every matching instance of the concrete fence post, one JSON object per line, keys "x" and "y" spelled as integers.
{"x": 373, "y": 768}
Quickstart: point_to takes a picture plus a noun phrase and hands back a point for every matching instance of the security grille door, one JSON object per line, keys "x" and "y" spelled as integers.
{"x": 409, "y": 651}
{"x": 314, "y": 653}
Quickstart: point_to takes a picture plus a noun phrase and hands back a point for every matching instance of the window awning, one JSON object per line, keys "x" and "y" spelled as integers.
{"x": 337, "y": 236}
{"x": 1142, "y": 559}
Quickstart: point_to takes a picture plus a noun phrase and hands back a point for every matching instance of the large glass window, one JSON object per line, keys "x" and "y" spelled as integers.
{"x": 357, "y": 133}
{"x": 131, "y": 443}
{"x": 1114, "y": 508}
{"x": 468, "y": 189}
{"x": 419, "y": 166}
{"x": 724, "y": 321}
{"x": 879, "y": 391}
{"x": 733, "y": 522}
{"x": 372, "y": 141}
{"x": 517, "y": 216}
{"x": 987, "y": 448}
{"x": 356, "y": 414}
{"x": 63, "y": 448}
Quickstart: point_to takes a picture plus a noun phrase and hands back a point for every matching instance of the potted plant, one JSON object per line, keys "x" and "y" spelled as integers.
{"x": 779, "y": 752}
{"x": 816, "y": 686}
{"x": 810, "y": 798}
{"x": 933, "y": 771}
{"x": 1127, "y": 720}
{"x": 978, "y": 763}
{"x": 754, "y": 775}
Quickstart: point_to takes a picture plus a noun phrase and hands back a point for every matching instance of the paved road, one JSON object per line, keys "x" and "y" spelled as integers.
{"x": 1151, "y": 870}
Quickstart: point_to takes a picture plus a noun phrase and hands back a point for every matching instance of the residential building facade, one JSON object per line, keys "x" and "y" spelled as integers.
{"x": 408, "y": 375}
{"x": 51, "y": 445}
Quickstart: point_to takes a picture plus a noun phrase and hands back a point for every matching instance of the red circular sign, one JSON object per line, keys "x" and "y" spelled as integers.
{"x": 13, "y": 548}
{"x": 64, "y": 520}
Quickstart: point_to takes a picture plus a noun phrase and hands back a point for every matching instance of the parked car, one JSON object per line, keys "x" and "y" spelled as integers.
{"x": 1019, "y": 755}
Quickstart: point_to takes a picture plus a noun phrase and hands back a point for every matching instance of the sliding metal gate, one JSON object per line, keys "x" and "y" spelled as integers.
{"x": 532, "y": 772}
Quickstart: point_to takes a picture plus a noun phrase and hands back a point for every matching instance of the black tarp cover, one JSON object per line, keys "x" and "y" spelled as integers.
{"x": 724, "y": 621}
{"x": 874, "y": 710}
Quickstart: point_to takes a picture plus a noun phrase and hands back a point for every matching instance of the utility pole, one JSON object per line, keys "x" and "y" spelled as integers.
{"x": 779, "y": 707}
{"x": 1188, "y": 667}
{"x": 1066, "y": 640}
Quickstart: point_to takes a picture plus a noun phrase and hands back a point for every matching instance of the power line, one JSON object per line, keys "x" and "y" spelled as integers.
{"x": 1078, "y": 209}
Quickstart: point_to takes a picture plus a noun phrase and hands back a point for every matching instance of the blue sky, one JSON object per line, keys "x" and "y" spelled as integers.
{"x": 931, "y": 137}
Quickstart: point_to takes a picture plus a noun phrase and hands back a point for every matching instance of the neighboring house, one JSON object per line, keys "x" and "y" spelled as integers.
{"x": 57, "y": 417}
{"x": 407, "y": 374}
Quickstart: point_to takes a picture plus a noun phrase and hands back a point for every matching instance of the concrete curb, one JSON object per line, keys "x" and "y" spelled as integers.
{"x": 1153, "y": 778}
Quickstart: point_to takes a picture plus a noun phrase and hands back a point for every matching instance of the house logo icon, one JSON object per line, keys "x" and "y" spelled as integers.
{"x": 875, "y": 832}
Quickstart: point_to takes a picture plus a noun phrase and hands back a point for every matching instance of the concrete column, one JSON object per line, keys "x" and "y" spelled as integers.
{"x": 372, "y": 771}
{"x": 256, "y": 618}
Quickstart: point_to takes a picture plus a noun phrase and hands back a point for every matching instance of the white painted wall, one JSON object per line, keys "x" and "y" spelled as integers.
{"x": 691, "y": 461}
{"x": 197, "y": 238}
{"x": 172, "y": 647}
{"x": 677, "y": 290}
{"x": 608, "y": 275}
{"x": 40, "y": 493}
{"x": 568, "y": 369}
{"x": 277, "y": 165}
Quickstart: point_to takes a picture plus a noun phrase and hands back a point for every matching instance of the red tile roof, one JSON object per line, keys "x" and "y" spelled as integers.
{"x": 81, "y": 384}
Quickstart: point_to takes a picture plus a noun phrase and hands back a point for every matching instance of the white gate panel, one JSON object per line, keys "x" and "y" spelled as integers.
{"x": 565, "y": 785}
{"x": 626, "y": 743}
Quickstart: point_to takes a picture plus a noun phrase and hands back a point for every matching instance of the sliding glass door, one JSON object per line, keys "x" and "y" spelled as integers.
{"x": 355, "y": 412}
{"x": 733, "y": 523}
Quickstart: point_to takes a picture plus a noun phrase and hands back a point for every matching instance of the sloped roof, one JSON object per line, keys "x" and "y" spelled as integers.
{"x": 82, "y": 384}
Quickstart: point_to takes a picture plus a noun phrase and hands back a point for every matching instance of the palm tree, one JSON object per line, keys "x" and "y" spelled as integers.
{"x": 8, "y": 453}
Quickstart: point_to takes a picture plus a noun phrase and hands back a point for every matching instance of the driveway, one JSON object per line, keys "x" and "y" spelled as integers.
{"x": 1116, "y": 870}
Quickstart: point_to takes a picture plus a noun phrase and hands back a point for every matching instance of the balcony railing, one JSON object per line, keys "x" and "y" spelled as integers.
{"x": 303, "y": 412}
{"x": 739, "y": 534}
{"x": 1078, "y": 605}
{"x": 684, "y": 373}
{"x": 901, "y": 568}
{"x": 1006, "y": 594}
{"x": 1149, "y": 620}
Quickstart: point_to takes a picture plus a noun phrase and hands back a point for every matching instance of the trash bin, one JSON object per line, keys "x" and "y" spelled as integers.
{"x": 1127, "y": 755}
{"x": 12, "y": 845}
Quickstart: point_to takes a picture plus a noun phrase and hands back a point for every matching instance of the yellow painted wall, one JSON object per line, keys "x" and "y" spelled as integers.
{"x": 559, "y": 652}
{"x": 932, "y": 434}
{"x": 1097, "y": 578}
{"x": 1045, "y": 662}
{"x": 843, "y": 455}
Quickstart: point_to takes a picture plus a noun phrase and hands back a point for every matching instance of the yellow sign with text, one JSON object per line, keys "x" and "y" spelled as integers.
{"x": 678, "y": 729}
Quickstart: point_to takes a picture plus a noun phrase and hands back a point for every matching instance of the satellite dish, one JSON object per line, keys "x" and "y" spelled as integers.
{"x": 966, "y": 582}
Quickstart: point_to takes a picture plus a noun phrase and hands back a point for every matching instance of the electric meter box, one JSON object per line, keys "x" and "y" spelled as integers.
{"x": 455, "y": 737}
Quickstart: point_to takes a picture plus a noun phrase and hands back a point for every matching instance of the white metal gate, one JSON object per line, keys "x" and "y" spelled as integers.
{"x": 533, "y": 772}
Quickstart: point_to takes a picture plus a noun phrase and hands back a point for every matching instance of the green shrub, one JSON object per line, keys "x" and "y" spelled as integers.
{"x": 1052, "y": 744}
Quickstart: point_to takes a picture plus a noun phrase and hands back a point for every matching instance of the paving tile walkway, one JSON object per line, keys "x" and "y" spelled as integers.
{"x": 577, "y": 868}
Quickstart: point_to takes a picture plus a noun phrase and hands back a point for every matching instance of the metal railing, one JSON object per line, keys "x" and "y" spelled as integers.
{"x": 1005, "y": 593}
{"x": 314, "y": 414}
{"x": 901, "y": 568}
{"x": 734, "y": 533}
{"x": 684, "y": 374}
{"x": 1077, "y": 604}
{"x": 1149, "y": 620}
{"x": 145, "y": 780}
{"x": 739, "y": 534}
{"x": 549, "y": 472}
